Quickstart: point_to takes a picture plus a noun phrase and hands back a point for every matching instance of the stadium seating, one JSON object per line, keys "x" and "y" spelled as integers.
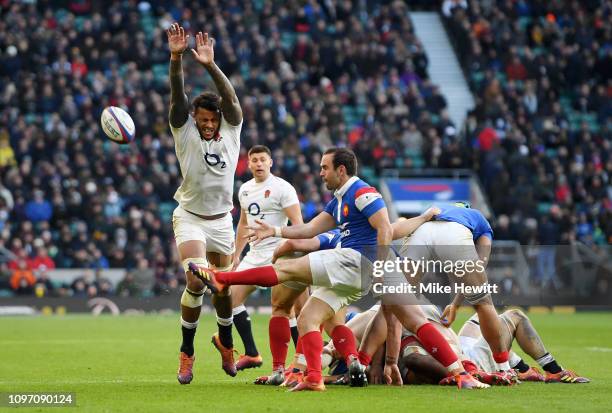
{"x": 308, "y": 77}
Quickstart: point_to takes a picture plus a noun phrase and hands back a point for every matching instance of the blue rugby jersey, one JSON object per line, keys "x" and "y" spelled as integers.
{"x": 352, "y": 206}
{"x": 469, "y": 218}
{"x": 329, "y": 240}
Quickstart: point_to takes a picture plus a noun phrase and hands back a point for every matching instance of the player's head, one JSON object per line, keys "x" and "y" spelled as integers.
{"x": 338, "y": 165}
{"x": 260, "y": 162}
{"x": 207, "y": 114}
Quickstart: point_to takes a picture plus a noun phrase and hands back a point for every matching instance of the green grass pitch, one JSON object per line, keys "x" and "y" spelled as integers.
{"x": 128, "y": 364}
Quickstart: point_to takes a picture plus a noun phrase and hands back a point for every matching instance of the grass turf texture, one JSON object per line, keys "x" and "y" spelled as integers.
{"x": 129, "y": 363}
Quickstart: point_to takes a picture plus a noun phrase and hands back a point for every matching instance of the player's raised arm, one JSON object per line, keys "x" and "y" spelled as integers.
{"x": 404, "y": 227}
{"x": 179, "y": 104}
{"x": 319, "y": 224}
{"x": 205, "y": 54}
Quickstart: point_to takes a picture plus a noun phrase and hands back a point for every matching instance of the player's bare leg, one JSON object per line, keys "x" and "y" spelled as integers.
{"x": 373, "y": 338}
{"x": 222, "y": 301}
{"x": 530, "y": 342}
{"x": 191, "y": 306}
{"x": 251, "y": 357}
{"x": 283, "y": 299}
{"x": 490, "y": 323}
{"x": 298, "y": 304}
{"x": 315, "y": 313}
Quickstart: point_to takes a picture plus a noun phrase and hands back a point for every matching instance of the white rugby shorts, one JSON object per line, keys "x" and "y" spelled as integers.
{"x": 336, "y": 276}
{"x": 217, "y": 234}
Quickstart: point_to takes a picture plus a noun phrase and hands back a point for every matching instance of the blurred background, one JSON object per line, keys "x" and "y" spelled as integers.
{"x": 503, "y": 103}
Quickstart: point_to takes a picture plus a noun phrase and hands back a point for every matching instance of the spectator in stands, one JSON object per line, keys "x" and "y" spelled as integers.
{"x": 22, "y": 280}
{"x": 41, "y": 261}
{"x": 44, "y": 286}
{"x": 127, "y": 287}
{"x": 38, "y": 209}
{"x": 310, "y": 76}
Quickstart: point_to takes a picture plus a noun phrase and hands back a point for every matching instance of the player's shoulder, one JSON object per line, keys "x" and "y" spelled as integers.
{"x": 246, "y": 186}
{"x": 361, "y": 187}
{"x": 280, "y": 183}
{"x": 184, "y": 128}
{"x": 228, "y": 126}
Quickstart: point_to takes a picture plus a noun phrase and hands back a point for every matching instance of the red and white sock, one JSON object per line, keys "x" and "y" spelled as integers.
{"x": 299, "y": 353}
{"x": 436, "y": 345}
{"x": 312, "y": 344}
{"x": 262, "y": 276}
{"x": 501, "y": 359}
{"x": 280, "y": 335}
{"x": 344, "y": 342}
{"x": 364, "y": 358}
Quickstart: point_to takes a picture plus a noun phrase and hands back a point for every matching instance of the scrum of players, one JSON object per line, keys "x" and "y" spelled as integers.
{"x": 392, "y": 343}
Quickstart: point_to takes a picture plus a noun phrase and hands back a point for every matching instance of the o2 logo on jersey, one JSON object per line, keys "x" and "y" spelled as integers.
{"x": 212, "y": 159}
{"x": 254, "y": 209}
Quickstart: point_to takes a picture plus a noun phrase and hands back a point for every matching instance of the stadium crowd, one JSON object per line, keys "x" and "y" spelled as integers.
{"x": 309, "y": 75}
{"x": 541, "y": 73}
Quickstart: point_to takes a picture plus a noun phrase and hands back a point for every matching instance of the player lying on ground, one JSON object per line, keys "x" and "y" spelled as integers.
{"x": 271, "y": 199}
{"x": 360, "y": 213}
{"x": 207, "y": 143}
{"x": 458, "y": 234}
{"x": 515, "y": 326}
{"x": 417, "y": 366}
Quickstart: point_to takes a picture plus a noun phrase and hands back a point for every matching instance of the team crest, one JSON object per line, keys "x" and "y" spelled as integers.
{"x": 345, "y": 210}
{"x": 267, "y": 193}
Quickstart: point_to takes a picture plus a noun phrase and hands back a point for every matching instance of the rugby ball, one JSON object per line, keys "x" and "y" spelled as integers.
{"x": 118, "y": 125}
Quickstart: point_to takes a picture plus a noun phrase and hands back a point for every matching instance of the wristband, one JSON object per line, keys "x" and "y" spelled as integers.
{"x": 278, "y": 232}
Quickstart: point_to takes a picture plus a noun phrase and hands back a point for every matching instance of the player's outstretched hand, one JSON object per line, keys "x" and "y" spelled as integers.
{"x": 449, "y": 315}
{"x": 259, "y": 232}
{"x": 177, "y": 39}
{"x": 376, "y": 374}
{"x": 204, "y": 51}
{"x": 283, "y": 249}
{"x": 392, "y": 375}
{"x": 431, "y": 212}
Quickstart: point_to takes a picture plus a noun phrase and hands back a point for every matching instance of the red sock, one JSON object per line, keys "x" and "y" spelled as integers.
{"x": 364, "y": 358}
{"x": 262, "y": 276}
{"x": 501, "y": 357}
{"x": 280, "y": 335}
{"x": 469, "y": 366}
{"x": 436, "y": 344}
{"x": 313, "y": 347}
{"x": 298, "y": 346}
{"x": 344, "y": 341}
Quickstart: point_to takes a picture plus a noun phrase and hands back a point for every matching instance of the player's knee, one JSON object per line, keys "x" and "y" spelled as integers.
{"x": 192, "y": 298}
{"x": 306, "y": 324}
{"x": 194, "y": 284}
{"x": 281, "y": 308}
{"x": 481, "y": 298}
{"x": 516, "y": 314}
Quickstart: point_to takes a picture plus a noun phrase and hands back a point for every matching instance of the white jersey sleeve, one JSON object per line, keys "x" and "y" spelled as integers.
{"x": 289, "y": 195}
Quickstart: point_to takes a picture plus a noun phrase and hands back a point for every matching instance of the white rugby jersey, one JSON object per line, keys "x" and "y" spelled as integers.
{"x": 265, "y": 201}
{"x": 208, "y": 167}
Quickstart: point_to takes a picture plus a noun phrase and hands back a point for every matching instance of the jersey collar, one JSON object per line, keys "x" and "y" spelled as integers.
{"x": 339, "y": 193}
